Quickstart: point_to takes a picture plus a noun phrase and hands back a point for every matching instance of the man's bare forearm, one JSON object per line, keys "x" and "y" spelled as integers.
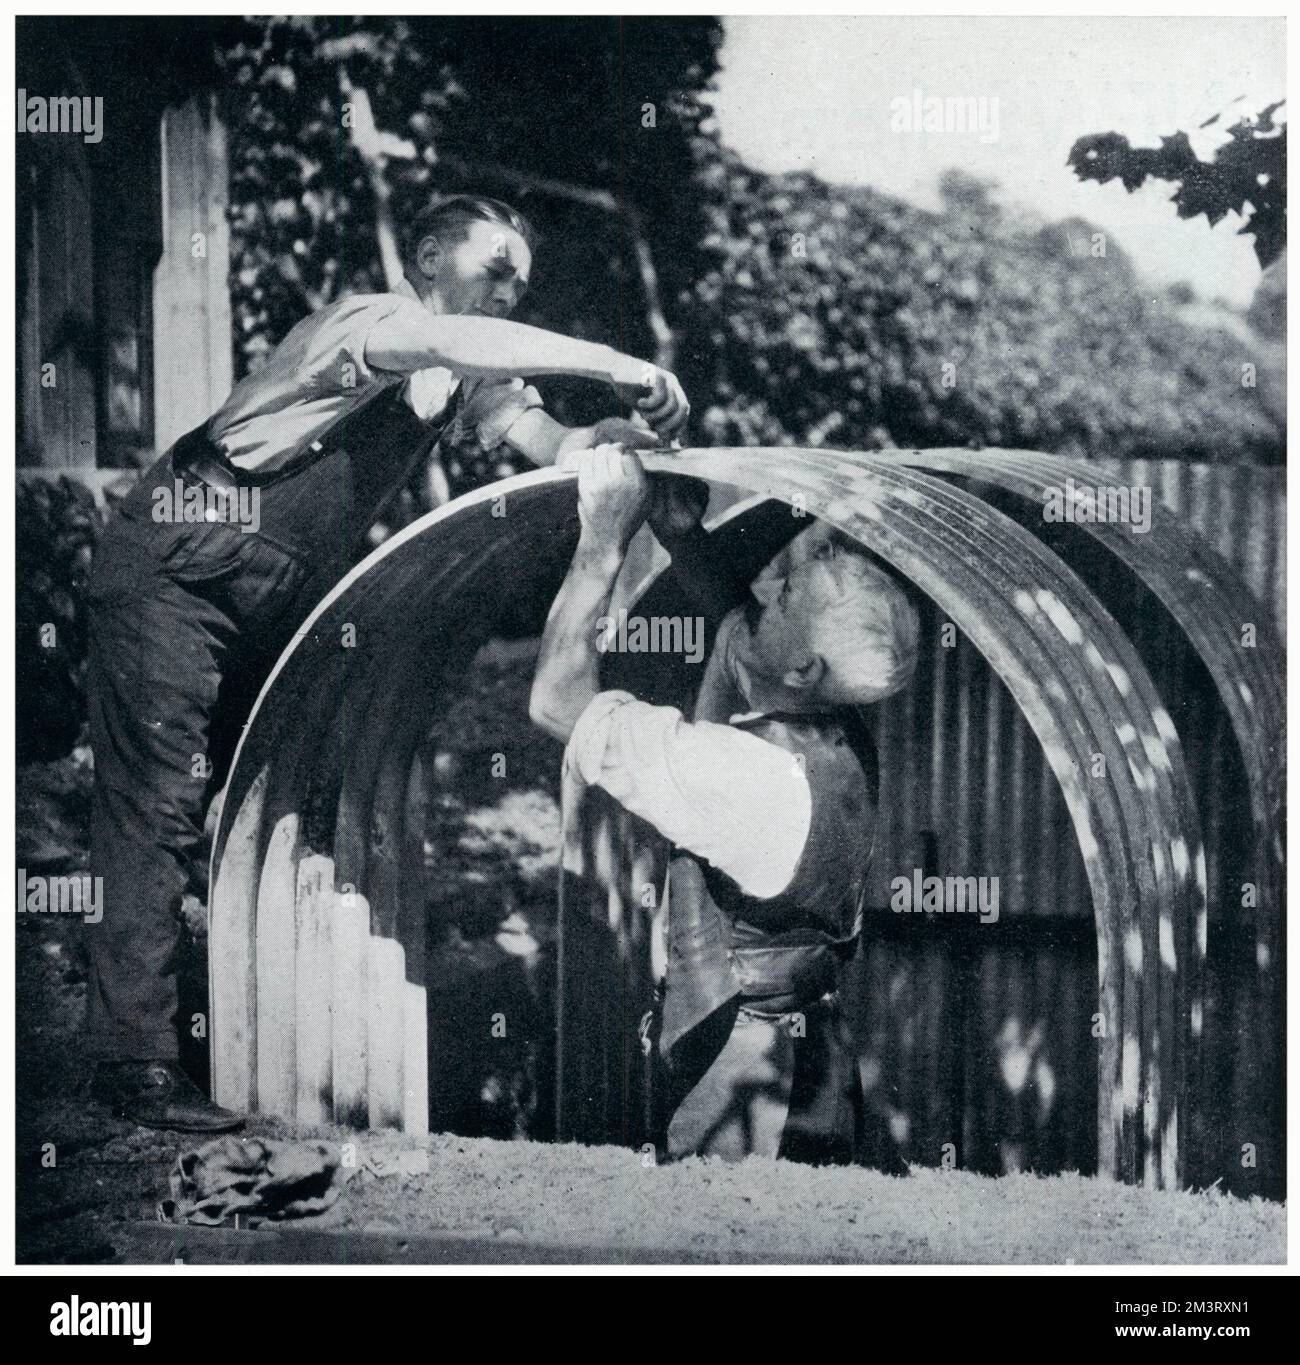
{"x": 568, "y": 667}
{"x": 492, "y": 348}
{"x": 542, "y": 440}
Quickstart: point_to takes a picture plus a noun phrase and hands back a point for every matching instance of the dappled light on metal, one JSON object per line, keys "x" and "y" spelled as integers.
{"x": 317, "y": 910}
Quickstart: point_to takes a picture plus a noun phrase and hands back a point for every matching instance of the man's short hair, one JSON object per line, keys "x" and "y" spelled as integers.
{"x": 449, "y": 220}
{"x": 869, "y": 638}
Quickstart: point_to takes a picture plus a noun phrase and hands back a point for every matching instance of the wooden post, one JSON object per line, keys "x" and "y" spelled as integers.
{"x": 349, "y": 1023}
{"x": 313, "y": 987}
{"x": 56, "y": 373}
{"x": 386, "y": 1024}
{"x": 232, "y": 957}
{"x": 276, "y": 1008}
{"x": 193, "y": 366}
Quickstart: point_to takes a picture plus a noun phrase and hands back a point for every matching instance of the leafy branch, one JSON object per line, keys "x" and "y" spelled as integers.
{"x": 1246, "y": 176}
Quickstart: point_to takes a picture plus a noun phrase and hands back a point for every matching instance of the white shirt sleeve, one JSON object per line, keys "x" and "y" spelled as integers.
{"x": 332, "y": 356}
{"x": 316, "y": 375}
{"x": 492, "y": 407}
{"x": 721, "y": 793}
{"x": 429, "y": 391}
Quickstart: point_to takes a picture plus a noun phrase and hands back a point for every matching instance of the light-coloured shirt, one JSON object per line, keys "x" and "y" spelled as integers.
{"x": 319, "y": 372}
{"x": 718, "y": 791}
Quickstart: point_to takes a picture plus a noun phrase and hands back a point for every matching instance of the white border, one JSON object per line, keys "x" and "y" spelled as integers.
{"x": 1202, "y": 9}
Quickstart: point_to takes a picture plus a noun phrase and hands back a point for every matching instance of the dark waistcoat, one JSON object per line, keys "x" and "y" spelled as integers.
{"x": 781, "y": 953}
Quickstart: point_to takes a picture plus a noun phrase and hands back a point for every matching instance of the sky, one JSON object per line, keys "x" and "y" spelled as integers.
{"x": 818, "y": 93}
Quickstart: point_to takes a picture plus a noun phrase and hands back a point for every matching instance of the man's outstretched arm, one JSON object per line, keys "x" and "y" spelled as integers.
{"x": 612, "y": 497}
{"x": 492, "y": 348}
{"x": 541, "y": 439}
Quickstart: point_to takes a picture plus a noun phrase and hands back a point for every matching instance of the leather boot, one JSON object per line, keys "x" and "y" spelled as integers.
{"x": 159, "y": 1094}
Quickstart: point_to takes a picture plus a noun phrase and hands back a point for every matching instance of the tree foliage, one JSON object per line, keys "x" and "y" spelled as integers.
{"x": 803, "y": 313}
{"x": 559, "y": 99}
{"x": 56, "y": 526}
{"x": 827, "y": 315}
{"x": 474, "y": 100}
{"x": 1246, "y": 175}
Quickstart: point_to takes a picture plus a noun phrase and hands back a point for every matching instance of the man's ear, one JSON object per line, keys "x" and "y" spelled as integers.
{"x": 427, "y": 256}
{"x": 805, "y": 676}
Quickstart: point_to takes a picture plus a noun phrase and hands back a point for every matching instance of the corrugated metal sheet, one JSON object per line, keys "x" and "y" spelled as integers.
{"x": 1240, "y": 692}
{"x": 984, "y": 1041}
{"x": 1240, "y": 509}
{"x": 1085, "y": 693}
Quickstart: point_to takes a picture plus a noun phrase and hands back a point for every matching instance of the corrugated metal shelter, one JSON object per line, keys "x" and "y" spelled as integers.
{"x": 1101, "y": 730}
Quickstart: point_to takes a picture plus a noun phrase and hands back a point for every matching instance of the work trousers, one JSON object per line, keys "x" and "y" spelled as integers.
{"x": 746, "y": 1083}
{"x": 186, "y": 621}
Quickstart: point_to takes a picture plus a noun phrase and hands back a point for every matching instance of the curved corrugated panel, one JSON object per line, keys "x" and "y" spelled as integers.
{"x": 1231, "y": 632}
{"x": 1205, "y": 595}
{"x": 309, "y": 916}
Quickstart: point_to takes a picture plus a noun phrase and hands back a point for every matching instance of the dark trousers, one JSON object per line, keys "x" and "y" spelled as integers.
{"x": 186, "y": 620}
{"x": 749, "y": 1084}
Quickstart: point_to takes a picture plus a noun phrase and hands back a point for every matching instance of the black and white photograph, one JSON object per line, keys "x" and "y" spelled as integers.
{"x": 649, "y": 642}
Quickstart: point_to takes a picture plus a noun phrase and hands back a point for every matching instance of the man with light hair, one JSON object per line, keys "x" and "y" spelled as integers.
{"x": 767, "y": 797}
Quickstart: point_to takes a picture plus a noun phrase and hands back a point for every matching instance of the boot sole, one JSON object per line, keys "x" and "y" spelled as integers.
{"x": 158, "y": 1125}
{"x": 231, "y": 1125}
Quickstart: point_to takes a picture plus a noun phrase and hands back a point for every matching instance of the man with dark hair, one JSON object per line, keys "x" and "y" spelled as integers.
{"x": 224, "y": 546}
{"x": 767, "y": 797}
{"x": 453, "y": 215}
